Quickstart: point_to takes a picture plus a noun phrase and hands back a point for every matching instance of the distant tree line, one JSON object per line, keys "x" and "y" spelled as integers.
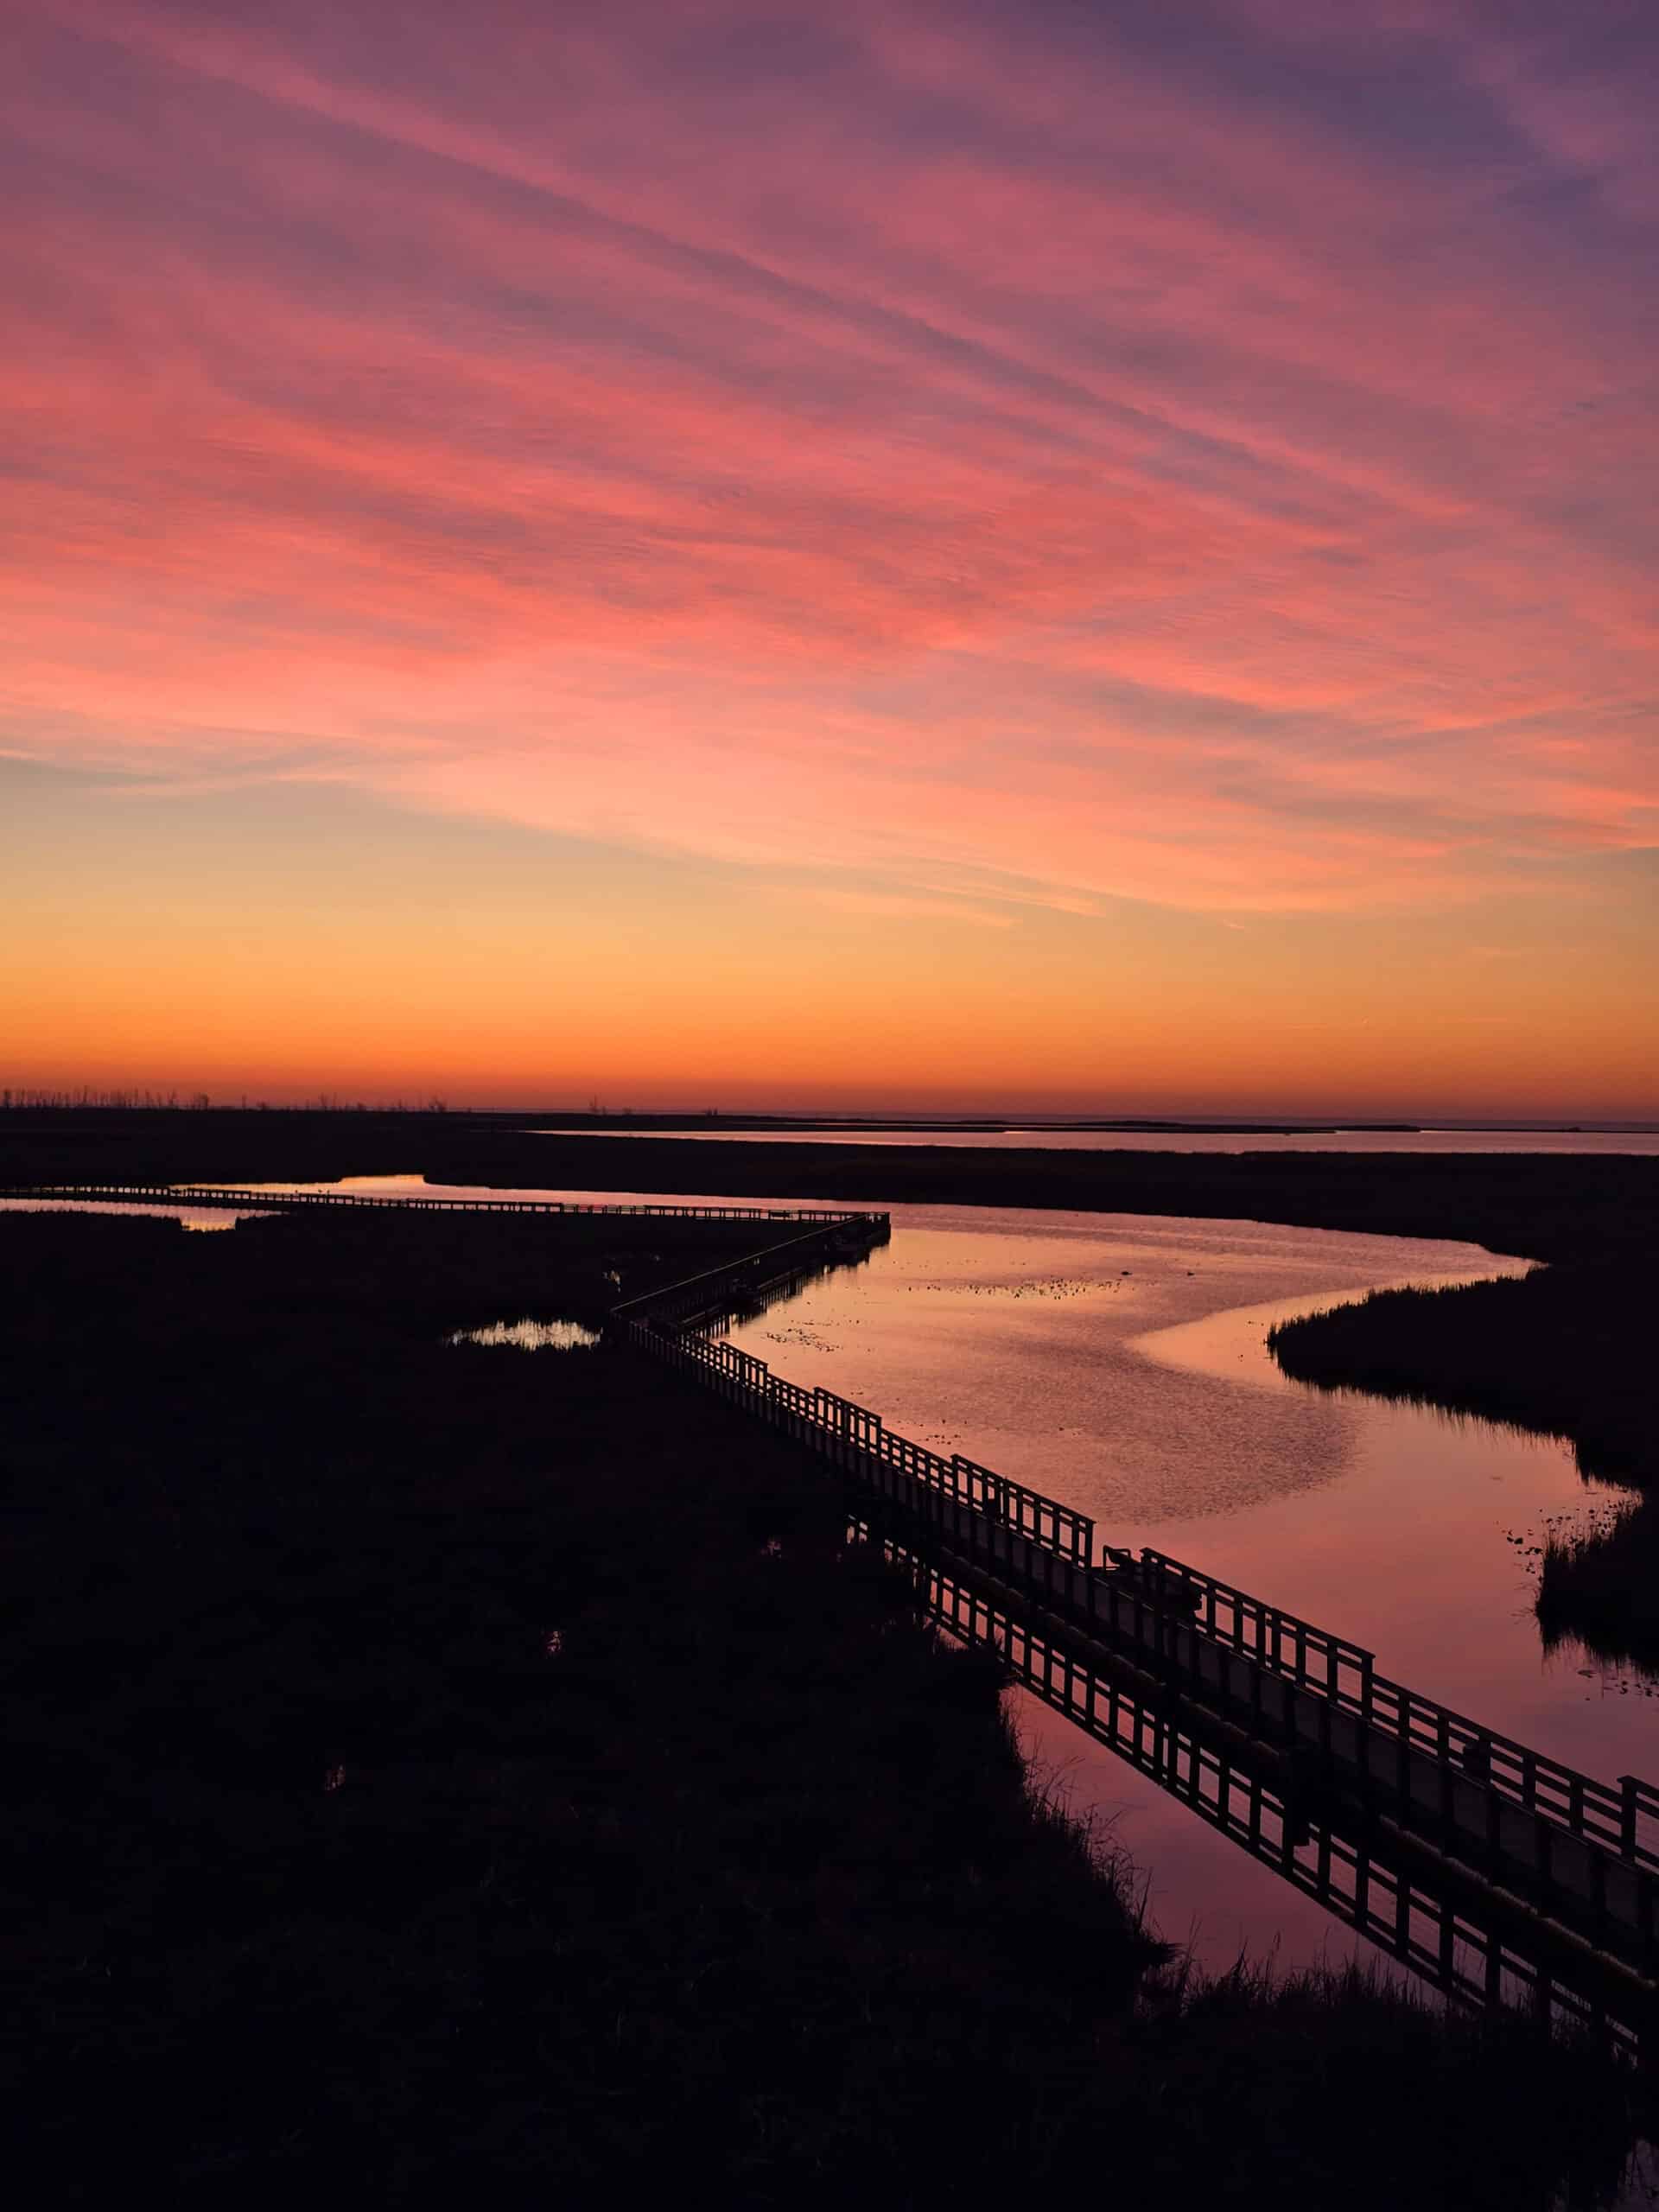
{"x": 19, "y": 1098}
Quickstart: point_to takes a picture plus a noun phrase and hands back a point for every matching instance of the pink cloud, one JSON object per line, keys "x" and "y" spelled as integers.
{"x": 966, "y": 448}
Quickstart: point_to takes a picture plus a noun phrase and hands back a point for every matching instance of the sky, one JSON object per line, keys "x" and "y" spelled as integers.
{"x": 1049, "y": 555}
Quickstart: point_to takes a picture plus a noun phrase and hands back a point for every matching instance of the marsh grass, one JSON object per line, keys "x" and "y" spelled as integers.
{"x": 443, "y": 1776}
{"x": 1565, "y": 1351}
{"x": 1600, "y": 1586}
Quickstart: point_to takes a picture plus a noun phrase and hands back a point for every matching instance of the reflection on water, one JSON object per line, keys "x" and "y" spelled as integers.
{"x": 1551, "y": 1140}
{"x": 530, "y": 1335}
{"x": 1119, "y": 1364}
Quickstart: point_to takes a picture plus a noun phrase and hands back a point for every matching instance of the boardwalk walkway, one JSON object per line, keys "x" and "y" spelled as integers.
{"x": 1531, "y": 1835}
{"x": 1467, "y": 1936}
{"x": 1536, "y": 1833}
{"x": 256, "y": 1197}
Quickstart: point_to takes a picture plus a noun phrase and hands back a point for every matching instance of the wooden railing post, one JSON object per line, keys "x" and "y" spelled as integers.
{"x": 1629, "y": 1785}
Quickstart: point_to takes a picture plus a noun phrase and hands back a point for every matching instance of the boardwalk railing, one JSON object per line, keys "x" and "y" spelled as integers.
{"x": 1578, "y": 1880}
{"x": 1481, "y": 1796}
{"x": 267, "y": 1201}
{"x": 738, "y": 1285}
{"x": 1345, "y": 1673}
{"x": 857, "y": 1440}
{"x": 1479, "y": 1946}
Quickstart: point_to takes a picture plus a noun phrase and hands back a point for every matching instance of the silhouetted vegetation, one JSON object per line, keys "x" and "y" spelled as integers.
{"x": 1546, "y": 1206}
{"x": 1565, "y": 1350}
{"x": 445, "y": 1772}
{"x": 1560, "y": 1352}
{"x": 1601, "y": 1585}
{"x": 1568, "y": 1349}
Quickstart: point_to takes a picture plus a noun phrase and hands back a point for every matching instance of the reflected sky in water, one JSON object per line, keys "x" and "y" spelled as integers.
{"x": 1119, "y": 1363}
{"x": 1506, "y": 1141}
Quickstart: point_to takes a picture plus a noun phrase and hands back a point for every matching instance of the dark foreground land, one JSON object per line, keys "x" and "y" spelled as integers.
{"x": 443, "y": 1773}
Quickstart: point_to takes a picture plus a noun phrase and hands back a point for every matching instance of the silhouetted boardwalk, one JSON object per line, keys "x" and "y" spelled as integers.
{"x": 251, "y": 1199}
{"x": 1468, "y": 1937}
{"x": 1527, "y": 1834}
{"x": 1537, "y": 1835}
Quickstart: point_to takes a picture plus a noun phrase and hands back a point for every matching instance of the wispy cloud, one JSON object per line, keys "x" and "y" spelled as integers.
{"x": 929, "y": 444}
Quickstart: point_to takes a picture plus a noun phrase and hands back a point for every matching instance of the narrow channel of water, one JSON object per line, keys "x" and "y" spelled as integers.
{"x": 1600, "y": 1142}
{"x": 1119, "y": 1363}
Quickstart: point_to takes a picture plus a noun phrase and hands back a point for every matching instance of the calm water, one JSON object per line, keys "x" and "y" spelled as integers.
{"x": 1118, "y": 1362}
{"x": 1120, "y": 1365}
{"x": 1557, "y": 1140}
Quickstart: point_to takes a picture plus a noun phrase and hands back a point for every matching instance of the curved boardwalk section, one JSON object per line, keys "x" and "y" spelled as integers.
{"x": 1532, "y": 1838}
{"x": 1538, "y": 1837}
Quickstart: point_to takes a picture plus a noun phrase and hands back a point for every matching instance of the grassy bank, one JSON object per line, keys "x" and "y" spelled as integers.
{"x": 445, "y": 1770}
{"x": 1566, "y": 1350}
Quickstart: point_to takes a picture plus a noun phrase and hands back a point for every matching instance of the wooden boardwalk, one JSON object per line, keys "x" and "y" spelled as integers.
{"x": 1467, "y": 1936}
{"x": 252, "y": 1199}
{"x": 1536, "y": 1834}
{"x": 1575, "y": 1857}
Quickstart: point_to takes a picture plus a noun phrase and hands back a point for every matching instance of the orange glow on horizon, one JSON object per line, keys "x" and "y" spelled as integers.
{"x": 1016, "y": 562}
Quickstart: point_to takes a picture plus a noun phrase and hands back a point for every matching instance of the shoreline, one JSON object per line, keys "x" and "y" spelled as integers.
{"x": 1554, "y": 1204}
{"x": 379, "y": 1757}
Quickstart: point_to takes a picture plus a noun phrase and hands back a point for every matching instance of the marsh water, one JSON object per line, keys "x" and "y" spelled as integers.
{"x": 1578, "y": 1142}
{"x": 1119, "y": 1363}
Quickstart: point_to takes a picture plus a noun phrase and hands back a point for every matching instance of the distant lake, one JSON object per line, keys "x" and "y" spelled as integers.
{"x": 1599, "y": 1142}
